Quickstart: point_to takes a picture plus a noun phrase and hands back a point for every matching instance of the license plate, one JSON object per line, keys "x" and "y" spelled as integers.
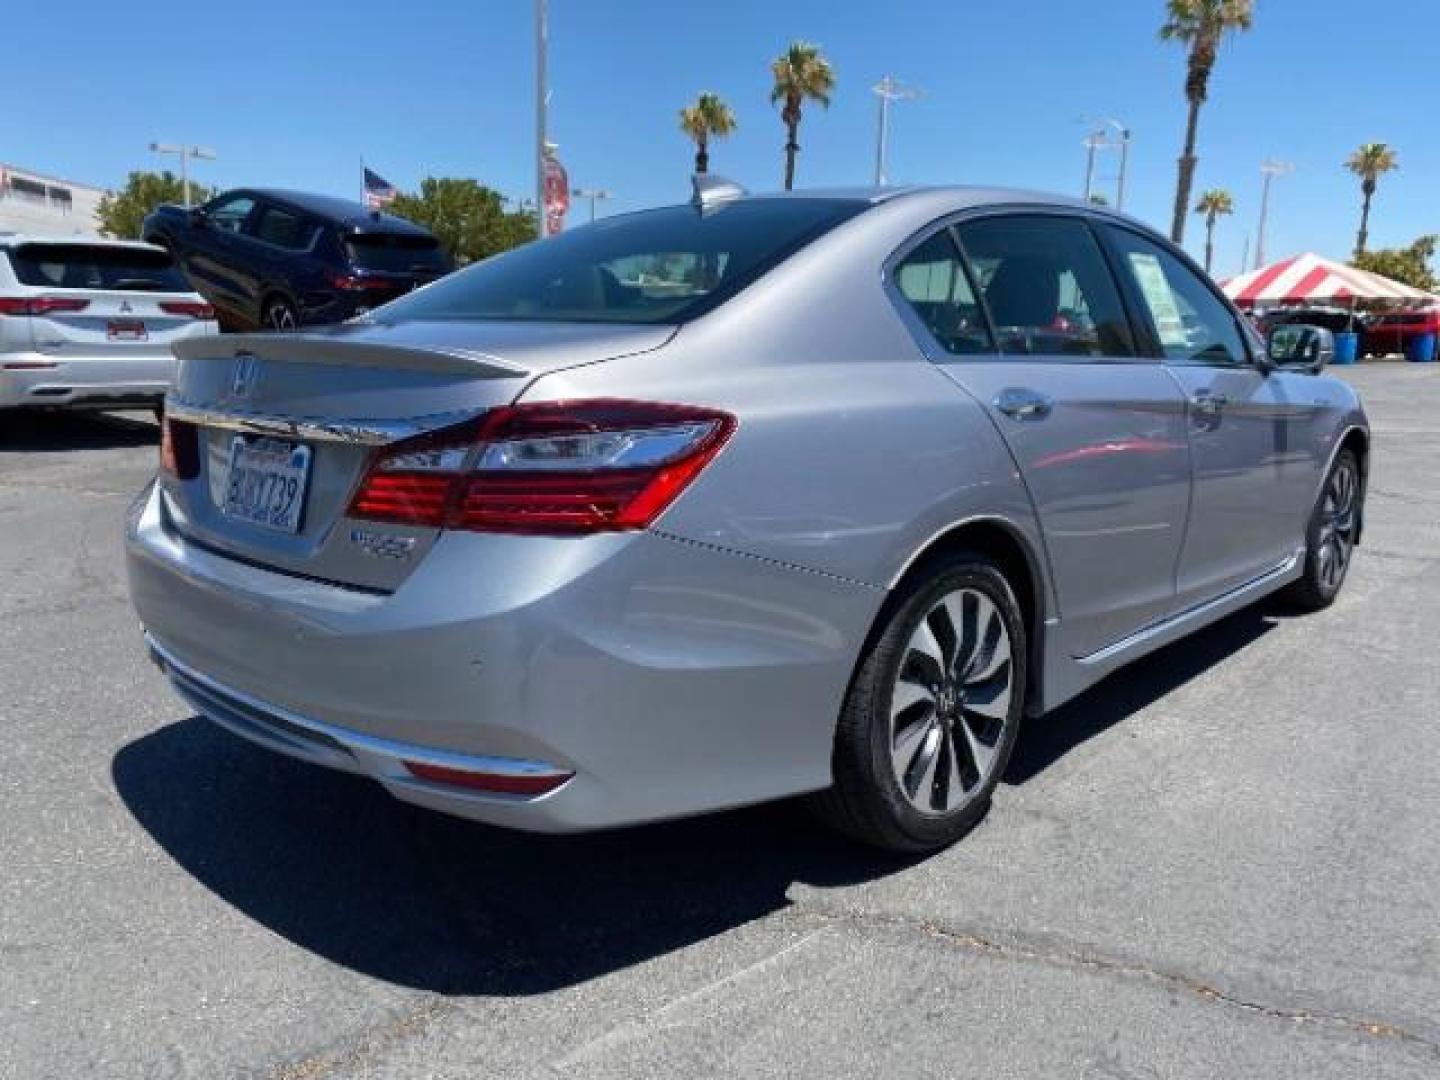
{"x": 126, "y": 330}
{"x": 267, "y": 482}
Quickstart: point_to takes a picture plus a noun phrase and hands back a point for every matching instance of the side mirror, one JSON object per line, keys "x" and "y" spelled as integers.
{"x": 1300, "y": 348}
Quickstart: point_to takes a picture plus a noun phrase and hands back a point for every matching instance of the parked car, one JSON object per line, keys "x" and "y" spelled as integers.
{"x": 1393, "y": 331}
{"x": 90, "y": 323}
{"x": 1337, "y": 320}
{"x": 723, "y": 502}
{"x": 282, "y": 259}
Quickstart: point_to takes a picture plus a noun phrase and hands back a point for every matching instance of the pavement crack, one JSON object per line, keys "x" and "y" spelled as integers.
{"x": 371, "y": 1045}
{"x": 1075, "y": 958}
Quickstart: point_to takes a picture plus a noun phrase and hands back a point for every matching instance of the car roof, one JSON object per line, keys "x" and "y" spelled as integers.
{"x": 16, "y": 239}
{"x": 346, "y": 212}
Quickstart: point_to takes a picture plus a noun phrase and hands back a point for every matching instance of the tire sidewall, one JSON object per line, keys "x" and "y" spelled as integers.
{"x": 1345, "y": 457}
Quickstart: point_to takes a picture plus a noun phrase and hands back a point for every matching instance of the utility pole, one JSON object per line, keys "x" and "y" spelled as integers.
{"x": 593, "y": 194}
{"x": 542, "y": 106}
{"x": 1269, "y": 169}
{"x": 887, "y": 90}
{"x": 1096, "y": 140}
{"x": 1102, "y": 142}
{"x": 185, "y": 152}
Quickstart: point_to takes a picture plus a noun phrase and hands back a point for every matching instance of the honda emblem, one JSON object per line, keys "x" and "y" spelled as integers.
{"x": 245, "y": 375}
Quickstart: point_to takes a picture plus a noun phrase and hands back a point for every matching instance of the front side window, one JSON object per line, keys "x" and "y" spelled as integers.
{"x": 229, "y": 215}
{"x": 1047, "y": 287}
{"x": 656, "y": 266}
{"x": 1191, "y": 323}
{"x": 933, "y": 281}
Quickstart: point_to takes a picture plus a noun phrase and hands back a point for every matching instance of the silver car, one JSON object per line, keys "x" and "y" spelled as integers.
{"x": 87, "y": 323}
{"x": 741, "y": 499}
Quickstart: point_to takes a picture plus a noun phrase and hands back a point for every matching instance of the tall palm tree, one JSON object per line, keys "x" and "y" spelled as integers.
{"x": 709, "y": 118}
{"x": 1372, "y": 161}
{"x": 801, "y": 74}
{"x": 1200, "y": 25}
{"x": 1212, "y": 204}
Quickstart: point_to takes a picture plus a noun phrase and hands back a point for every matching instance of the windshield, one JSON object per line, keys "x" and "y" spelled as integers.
{"x": 96, "y": 266}
{"x": 657, "y": 266}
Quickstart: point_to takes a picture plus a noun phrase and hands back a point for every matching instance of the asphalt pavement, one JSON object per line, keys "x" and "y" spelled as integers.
{"x": 1222, "y": 862}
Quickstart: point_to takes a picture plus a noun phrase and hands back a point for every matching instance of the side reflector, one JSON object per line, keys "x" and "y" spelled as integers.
{"x": 497, "y": 783}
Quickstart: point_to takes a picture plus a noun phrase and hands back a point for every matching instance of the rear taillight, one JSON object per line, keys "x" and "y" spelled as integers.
{"x": 561, "y": 467}
{"x": 39, "y": 305}
{"x": 179, "y": 449}
{"x": 196, "y": 309}
{"x": 360, "y": 283}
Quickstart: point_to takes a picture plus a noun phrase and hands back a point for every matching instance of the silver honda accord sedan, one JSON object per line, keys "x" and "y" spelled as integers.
{"x": 739, "y": 499}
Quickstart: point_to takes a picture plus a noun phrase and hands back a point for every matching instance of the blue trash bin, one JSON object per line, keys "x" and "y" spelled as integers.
{"x": 1347, "y": 347}
{"x": 1421, "y": 348}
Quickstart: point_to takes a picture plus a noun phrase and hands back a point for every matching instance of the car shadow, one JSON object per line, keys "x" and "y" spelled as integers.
{"x": 332, "y": 863}
{"x": 48, "y": 432}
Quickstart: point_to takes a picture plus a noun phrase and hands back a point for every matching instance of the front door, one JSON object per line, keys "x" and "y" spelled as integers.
{"x": 1252, "y": 434}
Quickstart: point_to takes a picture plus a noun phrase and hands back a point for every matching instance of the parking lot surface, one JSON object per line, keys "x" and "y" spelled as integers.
{"x": 1224, "y": 861}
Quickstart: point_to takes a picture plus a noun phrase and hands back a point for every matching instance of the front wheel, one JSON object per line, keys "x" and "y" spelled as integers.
{"x": 1330, "y": 538}
{"x": 933, "y": 710}
{"x": 280, "y": 315}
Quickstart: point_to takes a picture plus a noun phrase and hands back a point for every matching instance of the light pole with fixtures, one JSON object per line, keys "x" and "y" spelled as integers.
{"x": 593, "y": 194}
{"x": 1269, "y": 169}
{"x": 887, "y": 90}
{"x": 185, "y": 153}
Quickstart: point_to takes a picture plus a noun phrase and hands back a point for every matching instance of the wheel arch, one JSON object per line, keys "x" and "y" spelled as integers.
{"x": 1357, "y": 440}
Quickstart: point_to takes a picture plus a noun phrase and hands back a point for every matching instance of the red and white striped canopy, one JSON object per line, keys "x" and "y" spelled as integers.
{"x": 1308, "y": 277}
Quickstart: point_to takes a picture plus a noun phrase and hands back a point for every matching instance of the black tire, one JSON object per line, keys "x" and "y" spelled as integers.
{"x": 279, "y": 314}
{"x": 867, "y": 800}
{"x": 1332, "y": 533}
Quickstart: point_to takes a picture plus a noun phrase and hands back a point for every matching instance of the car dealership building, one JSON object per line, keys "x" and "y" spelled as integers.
{"x": 41, "y": 205}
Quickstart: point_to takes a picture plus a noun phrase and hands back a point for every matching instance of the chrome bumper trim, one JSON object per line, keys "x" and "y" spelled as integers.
{"x": 361, "y": 432}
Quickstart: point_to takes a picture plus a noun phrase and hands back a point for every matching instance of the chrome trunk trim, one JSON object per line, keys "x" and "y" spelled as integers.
{"x": 356, "y": 431}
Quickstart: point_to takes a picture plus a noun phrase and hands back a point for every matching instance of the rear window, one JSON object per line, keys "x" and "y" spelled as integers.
{"x": 395, "y": 254}
{"x": 96, "y": 266}
{"x": 657, "y": 266}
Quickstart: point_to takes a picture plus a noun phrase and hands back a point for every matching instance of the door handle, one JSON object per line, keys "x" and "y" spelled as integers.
{"x": 1207, "y": 404}
{"x": 1020, "y": 403}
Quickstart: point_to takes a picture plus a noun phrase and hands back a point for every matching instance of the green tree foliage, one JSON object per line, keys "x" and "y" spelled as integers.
{"x": 468, "y": 218}
{"x": 1212, "y": 205}
{"x": 121, "y": 212}
{"x": 1410, "y": 265}
{"x": 798, "y": 75}
{"x": 1370, "y": 162}
{"x": 1200, "y": 26}
{"x": 709, "y": 118}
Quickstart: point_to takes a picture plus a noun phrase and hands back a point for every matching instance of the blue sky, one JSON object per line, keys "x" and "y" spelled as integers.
{"x": 293, "y": 94}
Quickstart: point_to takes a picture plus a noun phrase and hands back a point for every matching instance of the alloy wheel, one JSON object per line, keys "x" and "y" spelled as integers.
{"x": 951, "y": 702}
{"x": 281, "y": 317}
{"x": 1337, "y": 525}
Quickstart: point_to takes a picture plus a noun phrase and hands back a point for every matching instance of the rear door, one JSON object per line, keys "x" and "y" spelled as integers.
{"x": 1252, "y": 434}
{"x": 1096, "y": 431}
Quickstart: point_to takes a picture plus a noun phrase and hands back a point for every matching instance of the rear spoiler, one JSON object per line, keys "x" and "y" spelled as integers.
{"x": 344, "y": 351}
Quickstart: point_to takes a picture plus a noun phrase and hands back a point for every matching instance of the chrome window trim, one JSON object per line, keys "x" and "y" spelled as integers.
{"x": 352, "y": 430}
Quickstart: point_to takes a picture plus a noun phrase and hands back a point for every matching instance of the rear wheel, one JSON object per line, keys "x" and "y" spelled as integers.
{"x": 933, "y": 710}
{"x": 1330, "y": 539}
{"x": 280, "y": 314}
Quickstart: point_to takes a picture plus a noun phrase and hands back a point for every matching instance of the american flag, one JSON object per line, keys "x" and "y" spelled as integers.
{"x": 378, "y": 191}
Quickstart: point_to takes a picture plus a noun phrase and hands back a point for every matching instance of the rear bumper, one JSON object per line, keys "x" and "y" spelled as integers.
{"x": 668, "y": 677}
{"x": 57, "y": 380}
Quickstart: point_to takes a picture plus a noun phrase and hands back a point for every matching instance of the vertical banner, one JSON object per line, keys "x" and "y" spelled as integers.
{"x": 557, "y": 195}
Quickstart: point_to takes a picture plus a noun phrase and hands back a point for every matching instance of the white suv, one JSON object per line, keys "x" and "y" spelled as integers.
{"x": 88, "y": 323}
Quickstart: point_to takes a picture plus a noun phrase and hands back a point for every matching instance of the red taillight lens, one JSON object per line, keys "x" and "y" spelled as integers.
{"x": 194, "y": 308}
{"x": 563, "y": 467}
{"x": 179, "y": 449}
{"x": 39, "y": 305}
{"x": 359, "y": 283}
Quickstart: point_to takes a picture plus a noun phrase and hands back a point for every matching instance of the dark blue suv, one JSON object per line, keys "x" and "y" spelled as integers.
{"x": 282, "y": 259}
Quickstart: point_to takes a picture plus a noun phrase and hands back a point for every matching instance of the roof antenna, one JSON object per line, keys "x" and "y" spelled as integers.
{"x": 710, "y": 191}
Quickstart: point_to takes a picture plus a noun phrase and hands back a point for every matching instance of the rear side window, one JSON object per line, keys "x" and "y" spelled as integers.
{"x": 1192, "y": 324}
{"x": 96, "y": 266}
{"x": 1047, "y": 286}
{"x": 657, "y": 266}
{"x": 284, "y": 229}
{"x": 395, "y": 253}
{"x": 933, "y": 282}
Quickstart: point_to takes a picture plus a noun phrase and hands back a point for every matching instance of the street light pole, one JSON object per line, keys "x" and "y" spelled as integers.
{"x": 887, "y": 90}
{"x": 542, "y": 105}
{"x": 1094, "y": 141}
{"x": 185, "y": 153}
{"x": 593, "y": 194}
{"x": 1269, "y": 169}
{"x": 1103, "y": 143}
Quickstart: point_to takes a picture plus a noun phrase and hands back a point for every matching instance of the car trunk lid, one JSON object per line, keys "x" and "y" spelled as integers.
{"x": 315, "y": 408}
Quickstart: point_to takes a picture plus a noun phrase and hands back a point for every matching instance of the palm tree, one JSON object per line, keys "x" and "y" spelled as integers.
{"x": 1212, "y": 204}
{"x": 801, "y": 74}
{"x": 709, "y": 118}
{"x": 1200, "y": 25}
{"x": 1372, "y": 161}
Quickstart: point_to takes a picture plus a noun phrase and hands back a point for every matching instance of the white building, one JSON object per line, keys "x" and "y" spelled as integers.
{"x": 41, "y": 205}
